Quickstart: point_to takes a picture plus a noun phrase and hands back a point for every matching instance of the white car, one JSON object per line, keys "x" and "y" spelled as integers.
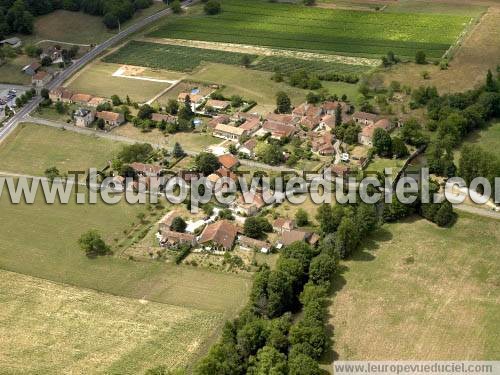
{"x": 344, "y": 157}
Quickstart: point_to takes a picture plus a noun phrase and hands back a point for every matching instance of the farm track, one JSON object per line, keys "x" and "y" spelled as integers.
{"x": 264, "y": 51}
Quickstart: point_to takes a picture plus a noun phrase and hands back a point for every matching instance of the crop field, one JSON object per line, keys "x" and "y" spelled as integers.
{"x": 93, "y": 332}
{"x": 171, "y": 57}
{"x": 419, "y": 292}
{"x": 30, "y": 150}
{"x": 186, "y": 59}
{"x": 327, "y": 30}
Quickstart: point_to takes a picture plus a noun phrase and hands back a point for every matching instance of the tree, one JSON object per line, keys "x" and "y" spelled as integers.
{"x": 206, "y": 163}
{"x": 444, "y": 215}
{"x": 60, "y": 108}
{"x": 178, "y": 224}
{"x": 347, "y": 237}
{"x": 111, "y": 21}
{"x": 269, "y": 154}
{"x": 321, "y": 269}
{"x": 382, "y": 142}
{"x": 338, "y": 115}
{"x": 246, "y": 61}
{"x": 313, "y": 98}
{"x": 411, "y": 132}
{"x": 138, "y": 152}
{"x": 178, "y": 152}
{"x": 44, "y": 93}
{"x": 491, "y": 84}
{"x": 329, "y": 217}
{"x": 93, "y": 245}
{"x": 51, "y": 173}
{"x": 301, "y": 217}
{"x": 309, "y": 2}
{"x": 145, "y": 112}
{"x": 283, "y": 103}
{"x": 46, "y": 61}
{"x": 302, "y": 364}
{"x": 172, "y": 106}
{"x": 236, "y": 101}
{"x": 115, "y": 99}
{"x": 176, "y": 7}
{"x": 399, "y": 149}
{"x": 212, "y": 7}
{"x": 255, "y": 227}
{"x": 420, "y": 57}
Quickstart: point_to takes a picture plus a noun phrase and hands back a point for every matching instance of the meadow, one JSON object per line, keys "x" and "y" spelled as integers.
{"x": 417, "y": 291}
{"x": 31, "y": 150}
{"x": 327, "y": 30}
{"x": 93, "y": 332}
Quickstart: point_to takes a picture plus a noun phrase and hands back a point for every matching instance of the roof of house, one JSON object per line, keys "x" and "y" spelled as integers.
{"x": 109, "y": 116}
{"x": 35, "y": 65}
{"x": 383, "y": 123}
{"x": 251, "y": 123}
{"x": 195, "y": 98}
{"x": 220, "y": 119}
{"x": 224, "y": 172}
{"x": 252, "y": 242}
{"x": 249, "y": 198}
{"x": 230, "y": 129}
{"x": 365, "y": 116}
{"x": 228, "y": 161}
{"x": 40, "y": 75}
{"x": 95, "y": 101}
{"x": 82, "y": 112}
{"x": 82, "y": 98}
{"x": 163, "y": 117}
{"x": 339, "y": 169}
{"x": 281, "y": 118}
{"x": 291, "y": 236}
{"x": 221, "y": 232}
{"x": 217, "y": 103}
{"x": 12, "y": 41}
{"x": 283, "y": 223}
{"x": 250, "y": 144}
{"x": 172, "y": 236}
{"x": 168, "y": 219}
{"x": 145, "y": 168}
{"x": 63, "y": 92}
{"x": 310, "y": 122}
{"x": 279, "y": 129}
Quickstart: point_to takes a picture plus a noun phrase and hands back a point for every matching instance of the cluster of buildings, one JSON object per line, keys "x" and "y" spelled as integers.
{"x": 87, "y": 112}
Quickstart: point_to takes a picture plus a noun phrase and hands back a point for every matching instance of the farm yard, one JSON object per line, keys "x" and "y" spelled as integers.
{"x": 418, "y": 291}
{"x": 327, "y": 30}
{"x": 109, "y": 334}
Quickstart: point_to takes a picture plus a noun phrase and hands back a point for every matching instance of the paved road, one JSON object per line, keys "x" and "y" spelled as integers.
{"x": 77, "y": 65}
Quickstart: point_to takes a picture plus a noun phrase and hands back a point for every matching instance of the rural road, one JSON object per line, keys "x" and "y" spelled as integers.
{"x": 79, "y": 64}
{"x": 119, "y": 138}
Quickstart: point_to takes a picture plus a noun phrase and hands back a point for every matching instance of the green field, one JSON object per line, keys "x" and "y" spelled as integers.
{"x": 31, "y": 149}
{"x": 488, "y": 139}
{"x": 415, "y": 291}
{"x": 53, "y": 328}
{"x": 186, "y": 59}
{"x": 327, "y": 30}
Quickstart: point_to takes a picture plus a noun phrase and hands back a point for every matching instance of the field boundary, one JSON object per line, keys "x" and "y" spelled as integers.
{"x": 473, "y": 23}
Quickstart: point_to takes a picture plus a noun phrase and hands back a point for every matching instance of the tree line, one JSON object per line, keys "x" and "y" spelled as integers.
{"x": 17, "y": 16}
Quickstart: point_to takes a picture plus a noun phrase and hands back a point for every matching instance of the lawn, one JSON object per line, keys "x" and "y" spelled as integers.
{"x": 328, "y": 30}
{"x": 31, "y": 149}
{"x": 48, "y": 327}
{"x": 415, "y": 291}
{"x": 11, "y": 71}
{"x": 488, "y": 139}
{"x": 379, "y": 164}
{"x": 97, "y": 79}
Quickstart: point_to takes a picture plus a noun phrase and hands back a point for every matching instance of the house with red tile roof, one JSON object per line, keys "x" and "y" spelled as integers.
{"x": 220, "y": 235}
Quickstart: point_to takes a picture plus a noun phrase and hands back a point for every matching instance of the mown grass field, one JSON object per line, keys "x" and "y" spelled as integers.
{"x": 327, "y": 30}
{"x": 31, "y": 149}
{"x": 54, "y": 328}
{"x": 488, "y": 139}
{"x": 419, "y": 292}
{"x": 97, "y": 79}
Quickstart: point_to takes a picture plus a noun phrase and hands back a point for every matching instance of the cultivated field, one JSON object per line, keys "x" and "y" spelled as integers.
{"x": 31, "y": 149}
{"x": 328, "y": 30}
{"x": 416, "y": 291}
{"x": 93, "y": 332}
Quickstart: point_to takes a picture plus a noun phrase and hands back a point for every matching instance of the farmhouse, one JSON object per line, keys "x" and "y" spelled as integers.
{"x": 40, "y": 79}
{"x": 81, "y": 99}
{"x": 83, "y": 117}
{"x": 329, "y": 107}
{"x": 219, "y": 235}
{"x": 284, "y": 119}
{"x": 32, "y": 68}
{"x": 251, "y": 125}
{"x": 220, "y": 119}
{"x": 228, "y": 161}
{"x": 96, "y": 101}
{"x": 60, "y": 94}
{"x": 253, "y": 244}
{"x": 148, "y": 170}
{"x": 290, "y": 236}
{"x": 228, "y": 132}
{"x": 52, "y": 52}
{"x": 248, "y": 147}
{"x": 170, "y": 238}
{"x": 278, "y": 130}
{"x": 310, "y": 122}
{"x": 281, "y": 225}
{"x": 365, "y": 136}
{"x": 167, "y": 220}
{"x": 111, "y": 118}
{"x": 364, "y": 118}
{"x": 322, "y": 144}
{"x": 307, "y": 110}
{"x": 196, "y": 99}
{"x": 159, "y": 117}
{"x": 327, "y": 122}
{"x": 218, "y": 105}
{"x": 337, "y": 170}
{"x": 249, "y": 204}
